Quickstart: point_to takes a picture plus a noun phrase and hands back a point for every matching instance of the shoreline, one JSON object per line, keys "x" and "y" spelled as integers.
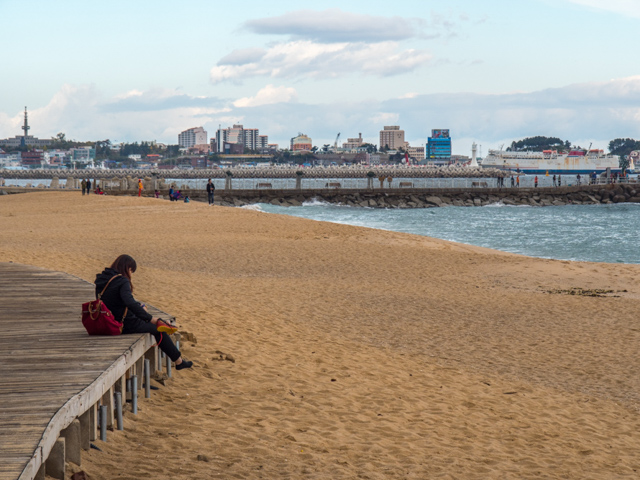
{"x": 357, "y": 350}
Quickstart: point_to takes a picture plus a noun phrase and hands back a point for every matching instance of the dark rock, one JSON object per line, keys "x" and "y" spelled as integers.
{"x": 433, "y": 200}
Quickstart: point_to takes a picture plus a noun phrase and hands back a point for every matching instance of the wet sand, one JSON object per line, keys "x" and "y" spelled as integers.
{"x": 358, "y": 353}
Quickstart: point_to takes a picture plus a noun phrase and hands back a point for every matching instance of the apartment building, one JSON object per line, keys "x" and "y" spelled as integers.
{"x": 248, "y": 137}
{"x": 192, "y": 137}
{"x": 392, "y": 137}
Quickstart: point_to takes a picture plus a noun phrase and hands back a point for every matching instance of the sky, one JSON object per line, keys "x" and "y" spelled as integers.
{"x": 491, "y": 71}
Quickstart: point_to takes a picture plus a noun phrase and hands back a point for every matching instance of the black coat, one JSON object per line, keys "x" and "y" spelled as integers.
{"x": 118, "y": 296}
{"x": 210, "y": 187}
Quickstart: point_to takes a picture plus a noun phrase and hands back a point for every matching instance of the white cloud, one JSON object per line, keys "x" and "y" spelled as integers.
{"x": 267, "y": 96}
{"x": 304, "y": 58}
{"x": 335, "y": 25}
{"x": 82, "y": 113}
{"x": 625, "y": 7}
{"x": 598, "y": 112}
{"x": 385, "y": 118}
{"x": 243, "y": 56}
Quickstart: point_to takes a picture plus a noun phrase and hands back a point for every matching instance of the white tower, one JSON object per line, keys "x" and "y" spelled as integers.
{"x": 474, "y": 151}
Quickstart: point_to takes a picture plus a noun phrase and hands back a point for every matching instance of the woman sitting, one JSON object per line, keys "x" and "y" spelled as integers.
{"x": 118, "y": 298}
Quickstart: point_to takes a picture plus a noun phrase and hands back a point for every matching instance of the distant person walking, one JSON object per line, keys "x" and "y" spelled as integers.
{"x": 518, "y": 181}
{"x": 555, "y": 182}
{"x": 559, "y": 180}
{"x": 578, "y": 178}
{"x": 210, "y": 191}
{"x": 83, "y": 185}
{"x": 535, "y": 182}
{"x": 88, "y": 186}
{"x": 140, "y": 187}
{"x": 513, "y": 181}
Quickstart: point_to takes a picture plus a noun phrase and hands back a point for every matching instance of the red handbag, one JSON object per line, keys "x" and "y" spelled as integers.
{"x": 98, "y": 319}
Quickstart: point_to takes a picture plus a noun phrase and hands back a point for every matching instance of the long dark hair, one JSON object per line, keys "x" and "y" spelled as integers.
{"x": 122, "y": 264}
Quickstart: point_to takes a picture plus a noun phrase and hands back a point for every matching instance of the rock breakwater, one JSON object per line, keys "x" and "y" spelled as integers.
{"x": 540, "y": 197}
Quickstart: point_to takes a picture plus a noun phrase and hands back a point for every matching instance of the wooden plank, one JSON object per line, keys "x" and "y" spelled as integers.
{"x": 52, "y": 371}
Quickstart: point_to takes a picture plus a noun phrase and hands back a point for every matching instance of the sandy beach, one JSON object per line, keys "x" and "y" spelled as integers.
{"x": 358, "y": 353}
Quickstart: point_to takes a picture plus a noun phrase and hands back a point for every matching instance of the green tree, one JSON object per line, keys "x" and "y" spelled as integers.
{"x": 370, "y": 147}
{"x": 60, "y": 142}
{"x": 623, "y": 146}
{"x": 103, "y": 148}
{"x": 538, "y": 144}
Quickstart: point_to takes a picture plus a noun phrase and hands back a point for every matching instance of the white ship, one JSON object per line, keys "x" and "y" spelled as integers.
{"x": 552, "y": 162}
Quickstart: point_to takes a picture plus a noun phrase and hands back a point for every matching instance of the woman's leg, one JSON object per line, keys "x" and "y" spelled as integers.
{"x": 165, "y": 343}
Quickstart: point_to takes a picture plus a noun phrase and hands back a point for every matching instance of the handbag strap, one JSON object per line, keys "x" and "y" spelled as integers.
{"x": 105, "y": 287}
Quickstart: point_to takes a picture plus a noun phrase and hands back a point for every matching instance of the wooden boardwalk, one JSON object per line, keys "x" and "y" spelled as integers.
{"x": 51, "y": 371}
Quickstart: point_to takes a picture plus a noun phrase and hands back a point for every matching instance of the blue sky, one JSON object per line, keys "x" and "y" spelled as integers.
{"x": 491, "y": 71}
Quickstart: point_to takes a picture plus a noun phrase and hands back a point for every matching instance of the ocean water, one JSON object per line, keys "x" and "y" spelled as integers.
{"x": 594, "y": 233}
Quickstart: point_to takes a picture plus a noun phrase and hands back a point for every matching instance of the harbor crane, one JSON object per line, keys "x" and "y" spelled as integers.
{"x": 335, "y": 144}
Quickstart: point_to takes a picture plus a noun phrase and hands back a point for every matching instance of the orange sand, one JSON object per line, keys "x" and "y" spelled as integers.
{"x": 358, "y": 353}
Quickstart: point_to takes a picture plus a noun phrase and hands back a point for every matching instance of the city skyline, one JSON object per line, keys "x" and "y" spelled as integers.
{"x": 490, "y": 72}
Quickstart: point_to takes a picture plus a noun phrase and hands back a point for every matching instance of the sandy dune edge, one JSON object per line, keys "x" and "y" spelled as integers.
{"x": 359, "y": 353}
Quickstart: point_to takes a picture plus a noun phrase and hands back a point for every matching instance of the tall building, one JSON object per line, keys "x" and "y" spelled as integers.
{"x": 301, "y": 143}
{"x": 392, "y": 137}
{"x": 439, "y": 145}
{"x": 25, "y": 140}
{"x": 192, "y": 137}
{"x": 247, "y": 137}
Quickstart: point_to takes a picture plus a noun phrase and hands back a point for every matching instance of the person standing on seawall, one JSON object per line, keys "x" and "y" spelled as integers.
{"x": 118, "y": 298}
{"x": 210, "y": 191}
{"x": 83, "y": 185}
{"x": 559, "y": 180}
{"x": 535, "y": 182}
{"x": 140, "y": 187}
